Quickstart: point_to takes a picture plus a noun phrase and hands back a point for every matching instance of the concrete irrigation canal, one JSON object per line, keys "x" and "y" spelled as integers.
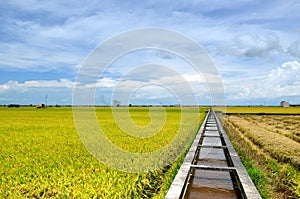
{"x": 212, "y": 168}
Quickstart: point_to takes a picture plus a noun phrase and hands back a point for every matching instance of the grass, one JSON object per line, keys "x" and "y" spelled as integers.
{"x": 257, "y": 176}
{"x": 271, "y": 158}
{"x": 43, "y": 157}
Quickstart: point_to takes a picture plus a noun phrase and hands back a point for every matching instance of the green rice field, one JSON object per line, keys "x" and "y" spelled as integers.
{"x": 43, "y": 157}
{"x": 260, "y": 110}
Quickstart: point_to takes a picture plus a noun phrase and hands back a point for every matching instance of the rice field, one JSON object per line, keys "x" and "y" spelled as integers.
{"x": 280, "y": 143}
{"x": 43, "y": 157}
{"x": 269, "y": 145}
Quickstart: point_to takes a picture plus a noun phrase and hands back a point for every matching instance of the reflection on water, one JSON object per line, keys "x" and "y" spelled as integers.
{"x": 211, "y": 184}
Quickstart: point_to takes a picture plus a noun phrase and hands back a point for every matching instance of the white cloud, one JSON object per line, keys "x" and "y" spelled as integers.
{"x": 16, "y": 86}
{"x": 253, "y": 46}
{"x": 285, "y": 75}
{"x": 50, "y": 84}
{"x": 106, "y": 82}
{"x": 193, "y": 78}
{"x": 294, "y": 49}
{"x": 280, "y": 82}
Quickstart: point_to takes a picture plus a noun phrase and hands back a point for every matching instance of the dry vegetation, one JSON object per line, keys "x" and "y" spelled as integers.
{"x": 276, "y": 144}
{"x": 288, "y": 126}
{"x": 272, "y": 143}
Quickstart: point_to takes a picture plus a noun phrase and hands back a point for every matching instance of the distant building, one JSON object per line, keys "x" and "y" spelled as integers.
{"x": 40, "y": 106}
{"x": 284, "y": 104}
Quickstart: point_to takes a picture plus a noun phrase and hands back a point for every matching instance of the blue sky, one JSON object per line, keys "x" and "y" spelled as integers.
{"x": 255, "y": 46}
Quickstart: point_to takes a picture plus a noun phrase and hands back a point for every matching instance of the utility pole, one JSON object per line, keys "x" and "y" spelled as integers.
{"x": 46, "y": 97}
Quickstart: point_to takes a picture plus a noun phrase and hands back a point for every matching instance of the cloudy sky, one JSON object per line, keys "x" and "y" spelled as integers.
{"x": 254, "y": 45}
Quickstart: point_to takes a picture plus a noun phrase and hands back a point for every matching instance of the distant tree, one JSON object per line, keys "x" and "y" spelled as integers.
{"x": 117, "y": 103}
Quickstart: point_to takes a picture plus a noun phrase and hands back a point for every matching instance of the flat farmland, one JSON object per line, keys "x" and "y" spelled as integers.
{"x": 268, "y": 142}
{"x": 43, "y": 157}
{"x": 274, "y": 110}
